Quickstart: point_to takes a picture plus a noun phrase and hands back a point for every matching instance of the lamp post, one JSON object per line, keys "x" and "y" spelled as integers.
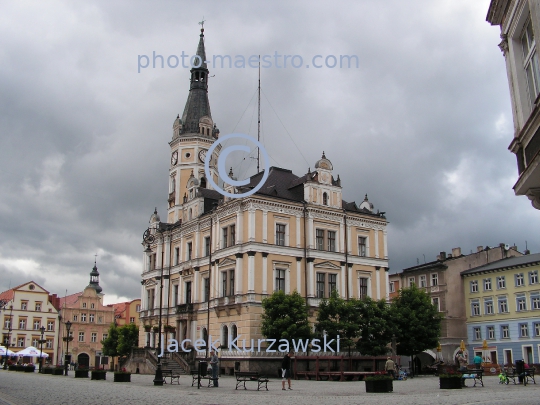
{"x": 66, "y": 365}
{"x": 9, "y": 336}
{"x": 42, "y": 329}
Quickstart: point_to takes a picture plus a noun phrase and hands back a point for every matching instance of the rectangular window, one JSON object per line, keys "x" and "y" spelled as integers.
{"x": 391, "y": 287}
{"x": 411, "y": 281}
{"x": 38, "y": 306}
{"x": 207, "y": 246}
{"x": 91, "y": 318}
{"x": 435, "y": 302}
{"x": 22, "y": 323}
{"x": 189, "y": 250}
{"x": 5, "y": 340}
{"x": 332, "y": 283}
{"x": 491, "y": 332}
{"x": 331, "y": 241}
{"x": 537, "y": 329}
{"x": 93, "y": 337}
{"x": 176, "y": 255}
{"x": 477, "y": 333}
{"x": 223, "y": 283}
{"x": 474, "y": 286}
{"x": 100, "y": 319}
{"x": 24, "y": 305}
{"x": 434, "y": 279}
{"x": 35, "y": 342}
{"x": 188, "y": 292}
{"x": 138, "y": 308}
{"x": 501, "y": 282}
{"x": 475, "y": 308}
{"x": 362, "y": 241}
{"x": 319, "y": 239}
{"x": 105, "y": 336}
{"x": 224, "y": 240}
{"x": 363, "y": 288}
{"x": 132, "y": 319}
{"x": 75, "y": 318}
{"x": 320, "y": 284}
{"x": 50, "y": 325}
{"x": 503, "y": 305}
{"x": 488, "y": 305}
{"x": 280, "y": 280}
{"x": 37, "y": 324}
{"x": 280, "y": 234}
{"x": 231, "y": 282}
{"x": 523, "y": 330}
{"x": 520, "y": 280}
{"x": 521, "y": 304}
{"x": 7, "y": 322}
{"x": 206, "y": 289}
{"x": 20, "y": 342}
{"x": 81, "y": 336}
{"x": 423, "y": 281}
{"x": 175, "y": 295}
{"x": 49, "y": 344}
{"x": 533, "y": 277}
{"x": 83, "y": 317}
{"x": 92, "y": 305}
{"x": 530, "y": 62}
{"x": 84, "y": 304}
{"x": 535, "y": 302}
{"x": 233, "y": 235}
{"x": 487, "y": 284}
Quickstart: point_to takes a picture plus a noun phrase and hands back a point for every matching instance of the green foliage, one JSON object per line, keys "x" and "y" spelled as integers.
{"x": 285, "y": 316}
{"x": 375, "y": 326}
{"x": 128, "y": 337}
{"x": 110, "y": 345}
{"x": 417, "y": 321}
{"x": 379, "y": 377}
{"x": 336, "y": 316}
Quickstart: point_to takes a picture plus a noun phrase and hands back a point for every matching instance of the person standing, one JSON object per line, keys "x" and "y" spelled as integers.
{"x": 390, "y": 367}
{"x": 214, "y": 362}
{"x": 477, "y": 360}
{"x": 286, "y": 370}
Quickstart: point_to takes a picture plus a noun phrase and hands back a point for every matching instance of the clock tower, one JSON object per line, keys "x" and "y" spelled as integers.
{"x": 193, "y": 134}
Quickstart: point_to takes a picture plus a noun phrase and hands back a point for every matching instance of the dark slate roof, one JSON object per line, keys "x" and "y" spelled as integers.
{"x": 526, "y": 260}
{"x": 429, "y": 265}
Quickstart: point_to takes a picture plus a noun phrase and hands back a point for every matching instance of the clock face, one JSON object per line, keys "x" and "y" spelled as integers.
{"x": 202, "y": 155}
{"x": 174, "y": 158}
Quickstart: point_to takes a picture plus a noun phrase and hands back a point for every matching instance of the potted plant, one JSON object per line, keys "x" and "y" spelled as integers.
{"x": 58, "y": 370}
{"x": 29, "y": 368}
{"x": 67, "y": 338}
{"x": 155, "y": 329}
{"x": 380, "y": 382}
{"x": 450, "y": 380}
{"x": 169, "y": 328}
{"x": 47, "y": 370}
{"x": 98, "y": 374}
{"x": 147, "y": 328}
{"x": 122, "y": 376}
{"x": 81, "y": 372}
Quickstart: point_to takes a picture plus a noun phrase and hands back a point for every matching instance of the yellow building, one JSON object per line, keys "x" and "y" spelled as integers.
{"x": 295, "y": 233}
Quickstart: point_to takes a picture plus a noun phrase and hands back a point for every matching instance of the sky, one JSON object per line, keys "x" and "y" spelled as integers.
{"x": 422, "y": 125}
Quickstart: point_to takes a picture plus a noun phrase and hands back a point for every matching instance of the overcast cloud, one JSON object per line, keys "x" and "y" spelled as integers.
{"x": 422, "y": 126}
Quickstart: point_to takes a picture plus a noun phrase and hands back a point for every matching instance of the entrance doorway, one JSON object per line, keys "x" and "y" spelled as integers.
{"x": 508, "y": 357}
{"x": 528, "y": 355}
{"x": 83, "y": 360}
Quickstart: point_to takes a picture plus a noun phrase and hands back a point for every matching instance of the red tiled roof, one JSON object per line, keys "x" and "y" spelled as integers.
{"x": 119, "y": 308}
{"x": 70, "y": 299}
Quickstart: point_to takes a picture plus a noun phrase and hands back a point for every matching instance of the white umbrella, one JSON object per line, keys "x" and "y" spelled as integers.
{"x": 31, "y": 351}
{"x": 6, "y": 352}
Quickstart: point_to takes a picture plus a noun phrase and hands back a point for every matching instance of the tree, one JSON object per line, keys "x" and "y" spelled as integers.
{"x": 285, "y": 316}
{"x": 336, "y": 316}
{"x": 375, "y": 326}
{"x": 128, "y": 337}
{"x": 417, "y": 321}
{"x": 110, "y": 345}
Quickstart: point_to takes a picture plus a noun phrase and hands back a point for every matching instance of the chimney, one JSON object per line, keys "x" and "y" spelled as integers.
{"x": 479, "y": 248}
{"x": 456, "y": 252}
{"x": 442, "y": 255}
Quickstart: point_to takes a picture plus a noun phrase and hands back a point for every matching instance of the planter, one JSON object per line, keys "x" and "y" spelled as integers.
{"x": 47, "y": 370}
{"x": 98, "y": 375}
{"x": 122, "y": 377}
{"x": 81, "y": 373}
{"x": 58, "y": 371}
{"x": 379, "y": 386}
{"x": 450, "y": 383}
{"x": 29, "y": 369}
{"x": 12, "y": 367}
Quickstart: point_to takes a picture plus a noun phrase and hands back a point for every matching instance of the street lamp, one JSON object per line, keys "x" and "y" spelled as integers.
{"x": 42, "y": 329}
{"x": 68, "y": 327}
{"x": 9, "y": 337}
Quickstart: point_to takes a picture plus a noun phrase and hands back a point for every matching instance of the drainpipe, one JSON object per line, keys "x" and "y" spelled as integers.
{"x": 346, "y": 258}
{"x": 305, "y": 253}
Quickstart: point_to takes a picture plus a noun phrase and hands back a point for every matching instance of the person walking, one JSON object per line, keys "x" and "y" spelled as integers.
{"x": 286, "y": 370}
{"x": 390, "y": 367}
{"x": 214, "y": 362}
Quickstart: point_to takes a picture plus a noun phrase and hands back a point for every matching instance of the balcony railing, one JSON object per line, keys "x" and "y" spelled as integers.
{"x": 184, "y": 309}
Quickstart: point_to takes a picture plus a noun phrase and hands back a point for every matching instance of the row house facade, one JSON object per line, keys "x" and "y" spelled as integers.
{"x": 215, "y": 259}
{"x": 503, "y": 309}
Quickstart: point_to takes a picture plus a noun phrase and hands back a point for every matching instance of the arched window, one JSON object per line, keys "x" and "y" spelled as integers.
{"x": 234, "y": 333}
{"x": 190, "y": 213}
{"x": 203, "y": 182}
{"x": 208, "y": 131}
{"x": 325, "y": 199}
{"x": 225, "y": 337}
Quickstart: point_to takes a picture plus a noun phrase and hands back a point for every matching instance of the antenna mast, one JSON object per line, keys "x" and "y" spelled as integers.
{"x": 259, "y": 118}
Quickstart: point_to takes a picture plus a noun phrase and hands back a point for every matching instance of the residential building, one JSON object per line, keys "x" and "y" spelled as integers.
{"x": 442, "y": 280}
{"x": 127, "y": 312}
{"x": 28, "y": 307}
{"x": 502, "y": 303}
{"x": 295, "y": 233}
{"x": 90, "y": 322}
{"x": 520, "y": 26}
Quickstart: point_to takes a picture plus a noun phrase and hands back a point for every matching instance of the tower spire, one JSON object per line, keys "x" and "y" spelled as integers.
{"x": 94, "y": 278}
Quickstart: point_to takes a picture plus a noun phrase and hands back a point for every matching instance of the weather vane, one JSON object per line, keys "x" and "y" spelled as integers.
{"x": 201, "y": 23}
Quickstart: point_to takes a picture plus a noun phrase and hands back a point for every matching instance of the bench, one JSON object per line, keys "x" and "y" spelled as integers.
{"x": 244, "y": 376}
{"x": 475, "y": 375}
{"x": 196, "y": 377}
{"x": 511, "y": 374}
{"x": 172, "y": 377}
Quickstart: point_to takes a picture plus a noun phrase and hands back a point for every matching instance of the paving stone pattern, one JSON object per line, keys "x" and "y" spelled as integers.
{"x": 35, "y": 389}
